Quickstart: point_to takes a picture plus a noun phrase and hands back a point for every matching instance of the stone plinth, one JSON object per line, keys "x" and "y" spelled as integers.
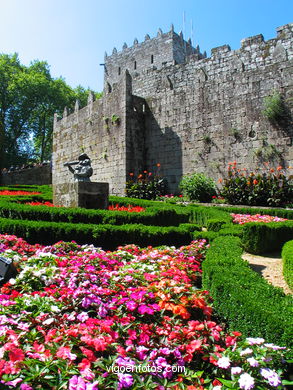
{"x": 89, "y": 195}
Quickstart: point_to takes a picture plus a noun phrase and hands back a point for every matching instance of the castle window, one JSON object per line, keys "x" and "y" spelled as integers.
{"x": 134, "y": 65}
{"x": 119, "y": 71}
{"x": 152, "y": 59}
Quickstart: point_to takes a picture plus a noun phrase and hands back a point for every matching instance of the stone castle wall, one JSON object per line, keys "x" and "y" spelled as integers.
{"x": 188, "y": 113}
{"x": 31, "y": 176}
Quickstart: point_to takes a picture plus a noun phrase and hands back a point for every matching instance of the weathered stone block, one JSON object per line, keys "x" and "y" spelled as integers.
{"x": 89, "y": 195}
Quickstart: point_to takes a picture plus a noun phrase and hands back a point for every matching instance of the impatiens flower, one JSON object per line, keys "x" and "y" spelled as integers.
{"x": 236, "y": 370}
{"x": 25, "y": 386}
{"x": 274, "y": 347}
{"x": 253, "y": 362}
{"x": 83, "y": 316}
{"x": 14, "y": 383}
{"x": 272, "y": 377}
{"x": 224, "y": 362}
{"x": 246, "y": 351}
{"x": 65, "y": 353}
{"x": 246, "y": 381}
{"x": 125, "y": 381}
{"x": 257, "y": 340}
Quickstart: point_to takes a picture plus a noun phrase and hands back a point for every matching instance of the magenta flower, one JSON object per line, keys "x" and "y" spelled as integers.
{"x": 144, "y": 309}
{"x": 125, "y": 380}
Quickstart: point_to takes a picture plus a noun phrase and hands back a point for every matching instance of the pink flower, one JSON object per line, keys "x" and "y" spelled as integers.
{"x": 65, "y": 353}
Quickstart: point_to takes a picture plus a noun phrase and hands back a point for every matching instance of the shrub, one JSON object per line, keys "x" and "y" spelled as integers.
{"x": 267, "y": 188}
{"x": 261, "y": 238}
{"x": 146, "y": 186}
{"x": 106, "y": 236}
{"x": 198, "y": 187}
{"x": 153, "y": 215}
{"x": 287, "y": 256}
{"x": 274, "y": 108}
{"x": 242, "y": 298}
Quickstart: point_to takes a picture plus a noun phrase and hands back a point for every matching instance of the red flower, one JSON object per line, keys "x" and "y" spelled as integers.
{"x": 16, "y": 354}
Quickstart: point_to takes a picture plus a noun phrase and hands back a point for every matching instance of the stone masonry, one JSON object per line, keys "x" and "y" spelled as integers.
{"x": 166, "y": 102}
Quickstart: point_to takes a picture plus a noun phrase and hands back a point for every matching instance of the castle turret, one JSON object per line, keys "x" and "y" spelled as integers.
{"x": 163, "y": 50}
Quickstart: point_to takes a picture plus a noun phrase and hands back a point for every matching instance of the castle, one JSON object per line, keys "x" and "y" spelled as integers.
{"x": 164, "y": 102}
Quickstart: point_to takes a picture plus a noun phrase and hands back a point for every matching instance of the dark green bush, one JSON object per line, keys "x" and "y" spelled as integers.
{"x": 287, "y": 256}
{"x": 242, "y": 298}
{"x": 202, "y": 215}
{"x": 198, "y": 187}
{"x": 209, "y": 236}
{"x": 261, "y": 238}
{"x": 268, "y": 188}
{"x": 231, "y": 229}
{"x": 105, "y": 236}
{"x": 154, "y": 215}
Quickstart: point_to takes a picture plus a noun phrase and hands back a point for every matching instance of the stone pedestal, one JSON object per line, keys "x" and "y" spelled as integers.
{"x": 89, "y": 195}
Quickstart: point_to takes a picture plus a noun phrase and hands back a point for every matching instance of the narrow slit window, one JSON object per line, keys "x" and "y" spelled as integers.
{"x": 152, "y": 59}
{"x": 119, "y": 71}
{"x": 134, "y": 65}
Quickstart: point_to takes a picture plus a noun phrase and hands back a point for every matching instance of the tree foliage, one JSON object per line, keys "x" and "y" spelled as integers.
{"x": 29, "y": 97}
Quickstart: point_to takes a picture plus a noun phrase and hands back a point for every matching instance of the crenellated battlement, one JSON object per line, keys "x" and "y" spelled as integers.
{"x": 165, "y": 49}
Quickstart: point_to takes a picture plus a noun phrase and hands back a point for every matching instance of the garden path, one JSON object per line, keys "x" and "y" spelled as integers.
{"x": 270, "y": 267}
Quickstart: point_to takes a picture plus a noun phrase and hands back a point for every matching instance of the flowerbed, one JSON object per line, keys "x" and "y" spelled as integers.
{"x": 77, "y": 317}
{"x": 245, "y": 218}
{"x": 49, "y": 204}
{"x": 17, "y": 193}
{"x": 129, "y": 208}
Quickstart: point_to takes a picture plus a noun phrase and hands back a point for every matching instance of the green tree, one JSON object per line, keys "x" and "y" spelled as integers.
{"x": 29, "y": 97}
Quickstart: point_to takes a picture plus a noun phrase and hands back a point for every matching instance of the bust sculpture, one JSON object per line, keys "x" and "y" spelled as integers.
{"x": 82, "y": 170}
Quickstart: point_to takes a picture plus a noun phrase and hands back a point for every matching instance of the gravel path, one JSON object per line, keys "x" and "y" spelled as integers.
{"x": 270, "y": 268}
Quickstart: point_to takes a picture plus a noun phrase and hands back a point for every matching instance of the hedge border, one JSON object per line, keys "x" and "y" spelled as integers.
{"x": 107, "y": 236}
{"x": 259, "y": 238}
{"x": 287, "y": 257}
{"x": 242, "y": 298}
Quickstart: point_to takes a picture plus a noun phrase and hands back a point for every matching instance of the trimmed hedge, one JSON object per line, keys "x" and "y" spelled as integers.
{"x": 287, "y": 256}
{"x": 209, "y": 217}
{"x": 106, "y": 236}
{"x": 165, "y": 216}
{"x": 261, "y": 238}
{"x": 242, "y": 298}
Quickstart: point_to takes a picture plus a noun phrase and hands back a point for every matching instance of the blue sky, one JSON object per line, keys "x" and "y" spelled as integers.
{"x": 72, "y": 35}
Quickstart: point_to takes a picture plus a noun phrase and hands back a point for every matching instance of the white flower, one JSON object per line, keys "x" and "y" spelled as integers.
{"x": 246, "y": 381}
{"x": 236, "y": 370}
{"x": 224, "y": 362}
{"x": 257, "y": 340}
{"x": 253, "y": 362}
{"x": 48, "y": 321}
{"x": 55, "y": 308}
{"x": 246, "y": 351}
{"x": 217, "y": 388}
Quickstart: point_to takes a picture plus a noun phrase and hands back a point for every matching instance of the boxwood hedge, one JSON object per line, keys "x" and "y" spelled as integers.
{"x": 242, "y": 298}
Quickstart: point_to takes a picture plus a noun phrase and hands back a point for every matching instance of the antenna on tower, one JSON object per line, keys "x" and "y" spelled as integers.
{"x": 191, "y": 34}
{"x": 183, "y": 30}
{"x": 183, "y": 27}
